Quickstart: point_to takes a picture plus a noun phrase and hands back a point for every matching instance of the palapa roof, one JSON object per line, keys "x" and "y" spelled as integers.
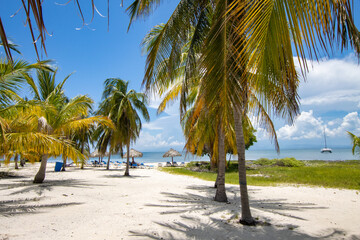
{"x": 97, "y": 154}
{"x": 172, "y": 153}
{"x": 133, "y": 153}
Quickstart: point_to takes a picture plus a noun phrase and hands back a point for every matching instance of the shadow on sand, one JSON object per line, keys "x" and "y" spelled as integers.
{"x": 16, "y": 207}
{"x": 222, "y": 218}
{"x": 26, "y": 186}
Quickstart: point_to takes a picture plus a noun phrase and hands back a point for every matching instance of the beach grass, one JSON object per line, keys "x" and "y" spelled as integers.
{"x": 336, "y": 174}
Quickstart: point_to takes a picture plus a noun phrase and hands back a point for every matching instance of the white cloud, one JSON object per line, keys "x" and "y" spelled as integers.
{"x": 332, "y": 85}
{"x": 351, "y": 123}
{"x": 157, "y": 124}
{"x": 307, "y": 126}
{"x": 151, "y": 142}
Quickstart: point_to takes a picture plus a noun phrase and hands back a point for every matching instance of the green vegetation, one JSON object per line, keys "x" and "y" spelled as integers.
{"x": 284, "y": 162}
{"x": 337, "y": 174}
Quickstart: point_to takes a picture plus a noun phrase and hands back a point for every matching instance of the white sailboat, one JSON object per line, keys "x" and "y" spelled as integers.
{"x": 325, "y": 149}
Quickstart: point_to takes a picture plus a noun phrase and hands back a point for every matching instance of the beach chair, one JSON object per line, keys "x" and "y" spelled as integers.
{"x": 168, "y": 164}
{"x": 159, "y": 164}
{"x": 182, "y": 164}
{"x": 175, "y": 164}
{"x": 118, "y": 164}
{"x": 142, "y": 165}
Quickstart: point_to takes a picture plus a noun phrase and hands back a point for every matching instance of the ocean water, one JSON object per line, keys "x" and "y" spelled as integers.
{"x": 300, "y": 154}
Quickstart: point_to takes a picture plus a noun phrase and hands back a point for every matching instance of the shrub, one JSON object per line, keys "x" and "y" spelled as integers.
{"x": 264, "y": 162}
{"x": 288, "y": 162}
{"x": 284, "y": 162}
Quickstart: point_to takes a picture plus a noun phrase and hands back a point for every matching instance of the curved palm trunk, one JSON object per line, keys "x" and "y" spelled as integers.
{"x": 108, "y": 162}
{"x": 246, "y": 217}
{"x": 220, "y": 195}
{"x": 40, "y": 176}
{"x": 16, "y": 161}
{"x": 127, "y": 160}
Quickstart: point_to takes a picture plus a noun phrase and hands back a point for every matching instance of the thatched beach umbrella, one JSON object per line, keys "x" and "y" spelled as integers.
{"x": 95, "y": 153}
{"x": 172, "y": 153}
{"x": 133, "y": 154}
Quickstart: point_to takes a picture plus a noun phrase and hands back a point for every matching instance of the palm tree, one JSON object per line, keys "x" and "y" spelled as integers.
{"x": 62, "y": 117}
{"x": 121, "y": 106}
{"x": 82, "y": 139}
{"x": 13, "y": 75}
{"x": 20, "y": 135}
{"x": 247, "y": 38}
{"x": 356, "y": 143}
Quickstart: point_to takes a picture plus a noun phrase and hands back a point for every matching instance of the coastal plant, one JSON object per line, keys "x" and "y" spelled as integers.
{"x": 211, "y": 89}
{"x": 288, "y": 162}
{"x": 264, "y": 162}
{"x": 61, "y": 117}
{"x": 13, "y": 75}
{"x": 248, "y": 61}
{"x": 355, "y": 142}
{"x": 122, "y": 106}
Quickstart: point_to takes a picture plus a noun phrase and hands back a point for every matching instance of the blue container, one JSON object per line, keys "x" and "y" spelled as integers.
{"x": 58, "y": 166}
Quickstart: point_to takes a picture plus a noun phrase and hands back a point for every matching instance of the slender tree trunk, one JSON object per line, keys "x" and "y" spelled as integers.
{"x": 220, "y": 195}
{"x": 108, "y": 162}
{"x": 212, "y": 163}
{"x": 64, "y": 164}
{"x": 22, "y": 162}
{"x": 133, "y": 160}
{"x": 172, "y": 161}
{"x": 246, "y": 217}
{"x": 16, "y": 161}
{"x": 40, "y": 176}
{"x": 217, "y": 179}
{"x": 82, "y": 152}
{"x": 127, "y": 159}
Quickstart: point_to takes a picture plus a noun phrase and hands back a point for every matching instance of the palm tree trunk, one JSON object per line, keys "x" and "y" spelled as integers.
{"x": 82, "y": 152}
{"x": 220, "y": 195}
{"x": 217, "y": 178}
{"x": 212, "y": 163}
{"x": 246, "y": 217}
{"x": 22, "y": 162}
{"x": 127, "y": 159}
{"x": 40, "y": 176}
{"x": 16, "y": 161}
{"x": 108, "y": 162}
{"x": 172, "y": 161}
{"x": 64, "y": 164}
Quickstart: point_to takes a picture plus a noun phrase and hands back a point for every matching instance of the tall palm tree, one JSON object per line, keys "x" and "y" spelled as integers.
{"x": 121, "y": 106}
{"x": 250, "y": 37}
{"x": 62, "y": 117}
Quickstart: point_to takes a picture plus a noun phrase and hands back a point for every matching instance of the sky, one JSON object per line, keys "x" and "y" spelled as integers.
{"x": 330, "y": 95}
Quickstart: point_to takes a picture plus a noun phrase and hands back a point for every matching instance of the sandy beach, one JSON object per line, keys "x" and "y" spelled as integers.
{"x": 98, "y": 204}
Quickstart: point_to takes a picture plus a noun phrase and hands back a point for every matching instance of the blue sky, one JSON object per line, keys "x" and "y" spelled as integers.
{"x": 330, "y": 97}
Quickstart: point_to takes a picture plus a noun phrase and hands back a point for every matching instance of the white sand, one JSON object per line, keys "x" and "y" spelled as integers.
{"x": 99, "y": 204}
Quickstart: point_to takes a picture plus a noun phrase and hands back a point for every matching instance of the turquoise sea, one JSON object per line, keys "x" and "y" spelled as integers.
{"x": 300, "y": 154}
